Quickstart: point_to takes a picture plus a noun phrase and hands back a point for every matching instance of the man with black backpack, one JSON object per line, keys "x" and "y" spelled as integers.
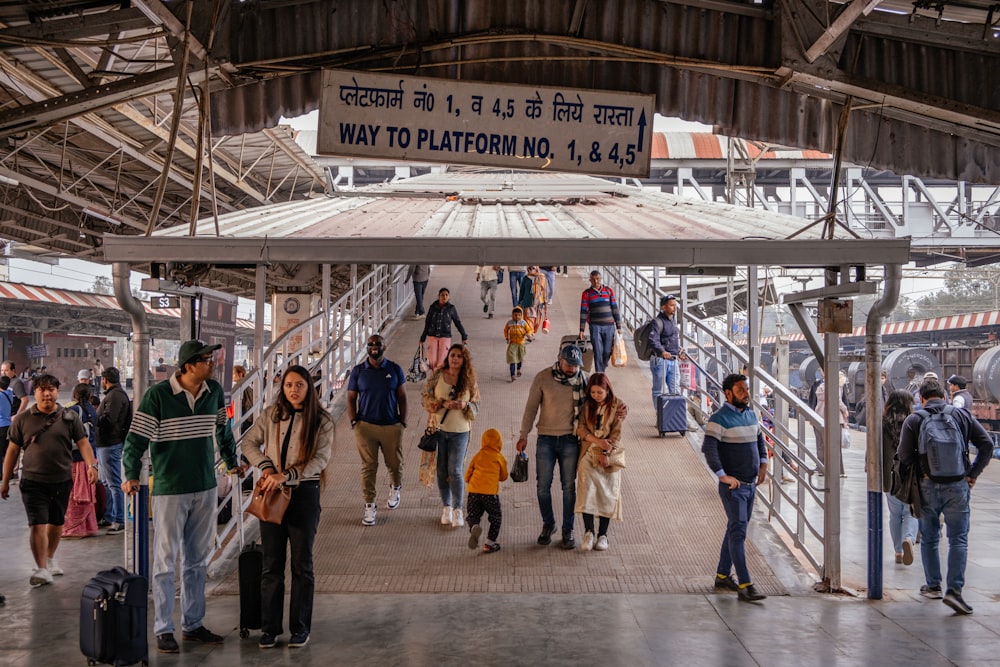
{"x": 936, "y": 438}
{"x": 665, "y": 347}
{"x": 114, "y": 416}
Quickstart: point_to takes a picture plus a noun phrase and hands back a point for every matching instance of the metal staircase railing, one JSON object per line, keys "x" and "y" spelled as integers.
{"x": 329, "y": 344}
{"x": 798, "y": 512}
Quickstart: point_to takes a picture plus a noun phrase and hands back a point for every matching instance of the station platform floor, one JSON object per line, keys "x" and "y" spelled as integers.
{"x": 408, "y": 591}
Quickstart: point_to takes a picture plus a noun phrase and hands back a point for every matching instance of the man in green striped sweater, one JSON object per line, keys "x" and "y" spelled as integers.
{"x": 180, "y": 421}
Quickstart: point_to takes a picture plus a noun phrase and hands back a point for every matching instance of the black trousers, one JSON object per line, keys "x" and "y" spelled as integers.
{"x": 476, "y": 504}
{"x": 296, "y": 531}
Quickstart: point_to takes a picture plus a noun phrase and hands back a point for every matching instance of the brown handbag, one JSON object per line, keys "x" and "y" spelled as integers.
{"x": 270, "y": 505}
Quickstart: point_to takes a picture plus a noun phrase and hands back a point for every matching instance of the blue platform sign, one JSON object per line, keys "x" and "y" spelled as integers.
{"x": 525, "y": 127}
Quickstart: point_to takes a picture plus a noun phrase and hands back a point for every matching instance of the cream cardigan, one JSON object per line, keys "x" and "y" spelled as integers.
{"x": 262, "y": 446}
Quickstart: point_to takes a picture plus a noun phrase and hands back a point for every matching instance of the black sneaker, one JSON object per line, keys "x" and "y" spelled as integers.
{"x": 486, "y": 307}
{"x": 166, "y": 643}
{"x": 568, "y": 541}
{"x": 545, "y": 538}
{"x": 726, "y": 583}
{"x": 955, "y": 601}
{"x": 267, "y": 641}
{"x": 298, "y": 640}
{"x": 932, "y": 592}
{"x": 749, "y": 594}
{"x": 203, "y": 635}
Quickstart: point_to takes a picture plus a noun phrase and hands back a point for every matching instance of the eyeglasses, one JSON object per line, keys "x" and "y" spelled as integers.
{"x": 205, "y": 360}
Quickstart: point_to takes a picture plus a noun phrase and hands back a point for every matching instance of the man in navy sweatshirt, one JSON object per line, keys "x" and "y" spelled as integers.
{"x": 735, "y": 452}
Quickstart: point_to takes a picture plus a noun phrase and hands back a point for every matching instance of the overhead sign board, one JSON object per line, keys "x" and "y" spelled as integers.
{"x": 524, "y": 127}
{"x": 160, "y": 302}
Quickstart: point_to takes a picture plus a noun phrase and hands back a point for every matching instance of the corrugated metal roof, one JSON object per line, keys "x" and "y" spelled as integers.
{"x": 518, "y": 205}
{"x": 927, "y": 325}
{"x": 925, "y": 101}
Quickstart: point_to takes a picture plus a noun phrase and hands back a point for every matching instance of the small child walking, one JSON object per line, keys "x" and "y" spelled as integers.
{"x": 516, "y": 332}
{"x": 483, "y": 476}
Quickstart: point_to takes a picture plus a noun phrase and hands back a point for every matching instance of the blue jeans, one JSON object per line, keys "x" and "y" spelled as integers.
{"x": 664, "y": 370}
{"x": 738, "y": 504}
{"x": 566, "y": 450}
{"x": 550, "y": 283}
{"x": 418, "y": 295}
{"x": 109, "y": 464}
{"x": 183, "y": 524}
{"x": 902, "y": 523}
{"x": 952, "y": 500}
{"x": 515, "y": 285}
{"x": 603, "y": 337}
{"x": 297, "y": 530}
{"x": 451, "y": 468}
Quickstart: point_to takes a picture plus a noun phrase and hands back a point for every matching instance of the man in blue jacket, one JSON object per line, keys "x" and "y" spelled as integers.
{"x": 665, "y": 343}
{"x": 735, "y": 451}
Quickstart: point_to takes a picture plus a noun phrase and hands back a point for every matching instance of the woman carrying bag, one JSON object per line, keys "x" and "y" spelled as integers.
{"x": 291, "y": 444}
{"x": 602, "y": 457}
{"x": 451, "y": 399}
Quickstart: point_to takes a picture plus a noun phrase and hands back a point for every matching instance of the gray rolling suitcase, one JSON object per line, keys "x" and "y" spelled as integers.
{"x": 671, "y": 414}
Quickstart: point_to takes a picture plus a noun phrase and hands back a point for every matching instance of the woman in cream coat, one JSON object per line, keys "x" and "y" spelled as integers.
{"x": 599, "y": 476}
{"x": 291, "y": 444}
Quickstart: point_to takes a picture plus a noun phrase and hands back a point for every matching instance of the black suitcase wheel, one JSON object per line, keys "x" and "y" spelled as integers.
{"x": 663, "y": 434}
{"x": 244, "y": 633}
{"x": 682, "y": 433}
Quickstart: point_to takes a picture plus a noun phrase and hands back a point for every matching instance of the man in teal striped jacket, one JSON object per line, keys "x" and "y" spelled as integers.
{"x": 180, "y": 421}
{"x": 734, "y": 450}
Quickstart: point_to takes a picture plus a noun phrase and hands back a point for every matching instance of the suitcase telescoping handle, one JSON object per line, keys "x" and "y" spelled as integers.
{"x": 236, "y": 493}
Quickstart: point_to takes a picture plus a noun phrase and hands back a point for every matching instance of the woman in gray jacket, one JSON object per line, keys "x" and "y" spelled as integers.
{"x": 291, "y": 444}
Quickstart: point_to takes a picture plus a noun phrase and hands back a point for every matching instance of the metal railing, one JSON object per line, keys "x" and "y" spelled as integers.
{"x": 790, "y": 440}
{"x": 376, "y": 301}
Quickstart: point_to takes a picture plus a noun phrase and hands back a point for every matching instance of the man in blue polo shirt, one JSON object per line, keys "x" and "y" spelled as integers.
{"x": 734, "y": 450}
{"x": 376, "y": 405}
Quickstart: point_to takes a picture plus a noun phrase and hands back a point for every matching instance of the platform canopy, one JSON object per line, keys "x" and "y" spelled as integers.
{"x": 493, "y": 218}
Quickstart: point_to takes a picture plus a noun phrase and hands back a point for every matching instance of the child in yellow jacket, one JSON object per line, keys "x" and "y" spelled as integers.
{"x": 483, "y": 476}
{"x": 516, "y": 332}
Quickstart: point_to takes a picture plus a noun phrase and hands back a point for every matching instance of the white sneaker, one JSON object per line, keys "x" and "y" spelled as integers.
{"x": 602, "y": 543}
{"x": 40, "y": 576}
{"x": 457, "y": 519}
{"x": 393, "y": 501}
{"x": 446, "y": 516}
{"x": 54, "y": 568}
{"x": 588, "y": 541}
{"x": 369, "y": 518}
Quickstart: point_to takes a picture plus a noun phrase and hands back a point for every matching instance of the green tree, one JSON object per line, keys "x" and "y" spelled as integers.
{"x": 965, "y": 291}
{"x": 102, "y": 285}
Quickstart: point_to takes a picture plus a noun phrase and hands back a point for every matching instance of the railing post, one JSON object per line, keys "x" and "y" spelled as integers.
{"x": 831, "y": 417}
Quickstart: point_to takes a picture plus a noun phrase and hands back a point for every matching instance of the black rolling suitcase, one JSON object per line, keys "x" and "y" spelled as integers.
{"x": 113, "y": 618}
{"x": 671, "y": 414}
{"x": 251, "y": 569}
{"x": 113, "y": 612}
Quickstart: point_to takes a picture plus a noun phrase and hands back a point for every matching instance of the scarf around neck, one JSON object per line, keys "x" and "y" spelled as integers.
{"x": 577, "y": 381}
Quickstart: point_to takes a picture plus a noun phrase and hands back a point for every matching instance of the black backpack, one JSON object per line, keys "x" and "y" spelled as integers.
{"x": 640, "y": 338}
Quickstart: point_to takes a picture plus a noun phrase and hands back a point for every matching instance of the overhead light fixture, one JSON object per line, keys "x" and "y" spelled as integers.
{"x": 6, "y": 180}
{"x": 106, "y": 217}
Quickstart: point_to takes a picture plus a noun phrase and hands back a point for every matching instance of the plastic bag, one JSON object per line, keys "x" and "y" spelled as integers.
{"x": 619, "y": 357}
{"x": 519, "y": 471}
{"x": 845, "y": 439}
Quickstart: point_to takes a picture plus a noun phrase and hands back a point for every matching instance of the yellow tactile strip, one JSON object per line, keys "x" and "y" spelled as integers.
{"x": 673, "y": 520}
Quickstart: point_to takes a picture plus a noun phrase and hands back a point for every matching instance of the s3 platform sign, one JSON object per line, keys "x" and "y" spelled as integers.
{"x": 523, "y": 127}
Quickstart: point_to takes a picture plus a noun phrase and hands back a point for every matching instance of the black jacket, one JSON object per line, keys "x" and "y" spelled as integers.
{"x": 439, "y": 320}
{"x": 113, "y": 416}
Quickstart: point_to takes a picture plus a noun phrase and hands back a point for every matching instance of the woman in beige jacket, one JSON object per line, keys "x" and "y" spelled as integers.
{"x": 291, "y": 444}
{"x": 599, "y": 476}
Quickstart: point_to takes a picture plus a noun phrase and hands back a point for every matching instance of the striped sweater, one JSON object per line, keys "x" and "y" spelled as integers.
{"x": 733, "y": 443}
{"x": 181, "y": 439}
